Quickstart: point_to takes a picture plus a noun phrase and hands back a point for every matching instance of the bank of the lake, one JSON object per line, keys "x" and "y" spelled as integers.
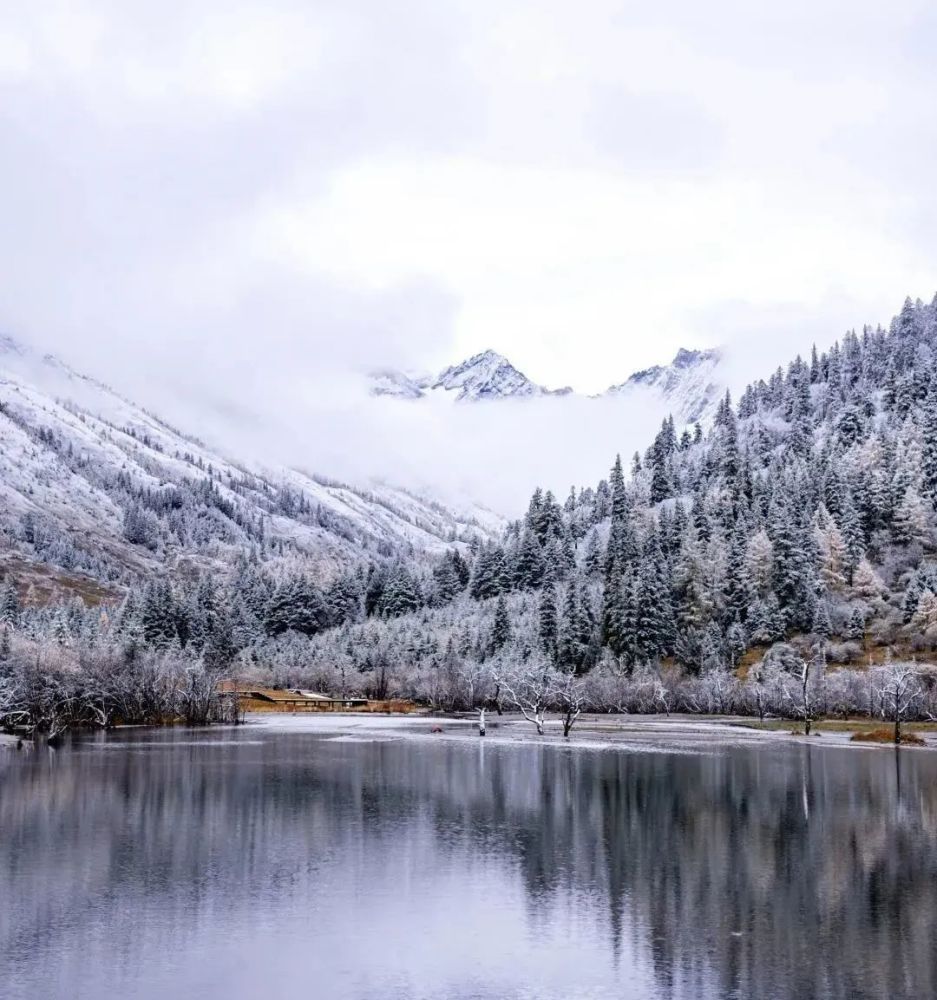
{"x": 604, "y": 729}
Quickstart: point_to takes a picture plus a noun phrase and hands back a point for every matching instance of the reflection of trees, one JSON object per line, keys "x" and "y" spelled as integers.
{"x": 786, "y": 873}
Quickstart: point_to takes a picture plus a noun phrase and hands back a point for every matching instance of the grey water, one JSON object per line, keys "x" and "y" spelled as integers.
{"x": 263, "y": 862}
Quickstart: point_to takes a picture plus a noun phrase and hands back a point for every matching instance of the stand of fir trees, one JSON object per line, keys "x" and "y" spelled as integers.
{"x": 799, "y": 532}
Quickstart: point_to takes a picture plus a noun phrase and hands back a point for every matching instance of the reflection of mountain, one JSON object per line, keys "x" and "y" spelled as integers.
{"x": 782, "y": 873}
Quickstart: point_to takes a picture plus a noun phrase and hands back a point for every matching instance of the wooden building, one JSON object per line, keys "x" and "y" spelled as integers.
{"x": 260, "y": 699}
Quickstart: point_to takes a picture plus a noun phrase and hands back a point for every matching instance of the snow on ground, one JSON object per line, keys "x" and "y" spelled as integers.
{"x": 673, "y": 734}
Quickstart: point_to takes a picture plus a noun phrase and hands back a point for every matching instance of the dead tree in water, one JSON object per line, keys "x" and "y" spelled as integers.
{"x": 528, "y": 689}
{"x": 567, "y": 692}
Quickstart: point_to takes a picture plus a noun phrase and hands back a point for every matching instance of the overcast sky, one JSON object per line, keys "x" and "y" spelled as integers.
{"x": 235, "y": 198}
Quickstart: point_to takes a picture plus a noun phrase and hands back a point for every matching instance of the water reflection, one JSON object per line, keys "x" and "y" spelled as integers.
{"x": 262, "y": 864}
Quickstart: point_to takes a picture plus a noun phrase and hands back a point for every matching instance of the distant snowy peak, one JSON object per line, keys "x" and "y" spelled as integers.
{"x": 488, "y": 375}
{"x": 691, "y": 384}
{"x": 684, "y": 361}
{"x": 484, "y": 376}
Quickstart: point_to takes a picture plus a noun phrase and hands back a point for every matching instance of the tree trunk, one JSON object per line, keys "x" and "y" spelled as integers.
{"x": 805, "y": 681}
{"x": 481, "y": 722}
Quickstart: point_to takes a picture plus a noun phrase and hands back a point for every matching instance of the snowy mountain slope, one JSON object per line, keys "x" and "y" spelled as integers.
{"x": 690, "y": 386}
{"x": 92, "y": 483}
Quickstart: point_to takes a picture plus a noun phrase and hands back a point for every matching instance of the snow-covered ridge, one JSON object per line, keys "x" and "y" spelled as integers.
{"x": 76, "y": 456}
{"x": 690, "y": 385}
{"x": 487, "y": 375}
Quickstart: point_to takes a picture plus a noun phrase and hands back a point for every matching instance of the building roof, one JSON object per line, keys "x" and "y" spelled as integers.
{"x": 282, "y": 695}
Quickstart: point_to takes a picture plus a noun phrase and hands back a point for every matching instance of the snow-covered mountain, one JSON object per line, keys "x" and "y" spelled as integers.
{"x": 97, "y": 486}
{"x": 689, "y": 387}
{"x": 488, "y": 375}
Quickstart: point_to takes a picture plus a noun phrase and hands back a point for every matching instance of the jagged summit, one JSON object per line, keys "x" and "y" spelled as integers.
{"x": 486, "y": 375}
{"x": 683, "y": 360}
{"x": 686, "y": 359}
{"x": 690, "y": 385}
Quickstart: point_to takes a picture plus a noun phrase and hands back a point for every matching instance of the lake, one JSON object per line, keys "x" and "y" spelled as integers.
{"x": 284, "y": 860}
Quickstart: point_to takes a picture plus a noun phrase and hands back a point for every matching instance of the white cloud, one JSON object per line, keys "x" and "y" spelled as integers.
{"x": 245, "y": 203}
{"x": 621, "y": 266}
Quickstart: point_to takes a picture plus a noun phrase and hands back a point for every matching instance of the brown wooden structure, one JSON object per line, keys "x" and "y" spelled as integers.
{"x": 252, "y": 698}
{"x": 255, "y": 698}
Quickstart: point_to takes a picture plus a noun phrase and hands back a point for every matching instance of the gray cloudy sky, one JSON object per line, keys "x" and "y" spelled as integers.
{"x": 237, "y": 198}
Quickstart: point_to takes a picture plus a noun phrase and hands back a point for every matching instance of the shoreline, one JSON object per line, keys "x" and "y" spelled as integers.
{"x": 596, "y": 731}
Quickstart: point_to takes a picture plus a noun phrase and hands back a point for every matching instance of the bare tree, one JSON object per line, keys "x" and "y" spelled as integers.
{"x": 897, "y": 685}
{"x": 528, "y": 689}
{"x": 766, "y": 687}
{"x": 472, "y": 679}
{"x": 566, "y": 691}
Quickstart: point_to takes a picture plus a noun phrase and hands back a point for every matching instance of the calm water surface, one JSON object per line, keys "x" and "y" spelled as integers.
{"x": 267, "y": 863}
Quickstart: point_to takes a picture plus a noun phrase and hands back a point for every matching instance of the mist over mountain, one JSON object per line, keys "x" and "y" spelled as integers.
{"x": 689, "y": 387}
{"x": 94, "y": 484}
{"x": 702, "y": 573}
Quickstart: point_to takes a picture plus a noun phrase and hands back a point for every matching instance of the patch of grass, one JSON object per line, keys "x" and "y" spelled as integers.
{"x": 887, "y": 735}
{"x": 40, "y": 584}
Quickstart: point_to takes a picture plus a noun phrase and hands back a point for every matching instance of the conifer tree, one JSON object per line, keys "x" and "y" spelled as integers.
{"x": 9, "y": 603}
{"x": 737, "y": 590}
{"x": 501, "y": 629}
{"x": 855, "y": 629}
{"x": 929, "y": 454}
{"x": 592, "y": 562}
{"x": 548, "y": 622}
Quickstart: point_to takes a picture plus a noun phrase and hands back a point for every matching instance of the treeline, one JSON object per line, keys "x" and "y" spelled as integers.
{"x": 805, "y": 516}
{"x": 47, "y": 688}
{"x": 804, "y": 520}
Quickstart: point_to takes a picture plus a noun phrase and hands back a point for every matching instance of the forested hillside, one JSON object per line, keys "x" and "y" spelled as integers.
{"x": 806, "y": 514}
{"x": 800, "y": 526}
{"x": 95, "y": 488}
